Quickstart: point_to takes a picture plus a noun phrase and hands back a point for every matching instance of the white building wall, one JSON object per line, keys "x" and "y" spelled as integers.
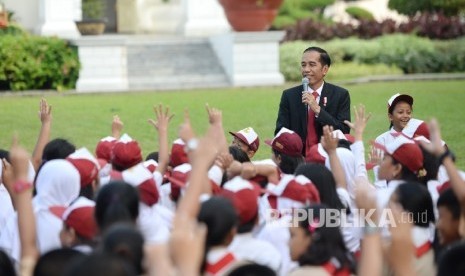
{"x": 26, "y": 12}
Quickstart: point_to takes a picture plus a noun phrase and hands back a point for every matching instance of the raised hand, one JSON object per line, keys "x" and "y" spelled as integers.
{"x": 19, "y": 158}
{"x": 45, "y": 111}
{"x": 328, "y": 141}
{"x": 365, "y": 196}
{"x": 45, "y": 116}
{"x": 436, "y": 144}
{"x": 116, "y": 127}
{"x": 376, "y": 156}
{"x": 360, "y": 122}
{"x": 214, "y": 115}
{"x": 309, "y": 100}
{"x": 163, "y": 117}
{"x": 224, "y": 160}
{"x": 185, "y": 129}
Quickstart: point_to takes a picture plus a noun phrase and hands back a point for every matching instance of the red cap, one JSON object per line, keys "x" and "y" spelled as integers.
{"x": 104, "y": 148}
{"x": 249, "y": 137}
{"x": 298, "y": 188}
{"x": 151, "y": 165}
{"x": 405, "y": 151}
{"x": 244, "y": 196}
{"x": 126, "y": 152}
{"x": 286, "y": 141}
{"x": 399, "y": 98}
{"x": 317, "y": 154}
{"x": 86, "y": 164}
{"x": 178, "y": 179}
{"x": 78, "y": 216}
{"x": 141, "y": 178}
{"x": 178, "y": 155}
{"x": 180, "y": 175}
{"x": 416, "y": 128}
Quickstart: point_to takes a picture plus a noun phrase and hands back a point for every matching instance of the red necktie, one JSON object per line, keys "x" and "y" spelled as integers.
{"x": 312, "y": 137}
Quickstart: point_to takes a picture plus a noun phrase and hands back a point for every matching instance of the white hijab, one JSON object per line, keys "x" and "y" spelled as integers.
{"x": 347, "y": 160}
{"x": 58, "y": 183}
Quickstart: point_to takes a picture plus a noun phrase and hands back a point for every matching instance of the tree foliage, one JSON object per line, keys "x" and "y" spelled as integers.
{"x": 449, "y": 7}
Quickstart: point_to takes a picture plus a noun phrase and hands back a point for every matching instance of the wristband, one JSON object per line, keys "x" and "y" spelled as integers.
{"x": 443, "y": 156}
{"x": 21, "y": 186}
{"x": 191, "y": 145}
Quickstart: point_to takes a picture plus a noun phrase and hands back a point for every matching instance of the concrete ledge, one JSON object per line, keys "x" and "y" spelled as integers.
{"x": 250, "y": 58}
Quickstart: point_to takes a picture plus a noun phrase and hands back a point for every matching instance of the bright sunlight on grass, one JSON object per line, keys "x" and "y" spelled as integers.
{"x": 85, "y": 118}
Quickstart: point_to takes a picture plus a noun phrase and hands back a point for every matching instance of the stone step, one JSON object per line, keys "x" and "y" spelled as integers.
{"x": 190, "y": 64}
{"x": 185, "y": 82}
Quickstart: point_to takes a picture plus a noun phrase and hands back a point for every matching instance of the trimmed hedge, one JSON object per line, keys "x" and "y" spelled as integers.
{"x": 397, "y": 53}
{"x": 32, "y": 62}
{"x": 291, "y": 53}
{"x": 359, "y": 13}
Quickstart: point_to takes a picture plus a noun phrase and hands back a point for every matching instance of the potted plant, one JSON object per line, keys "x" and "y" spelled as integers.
{"x": 93, "y": 22}
{"x": 250, "y": 15}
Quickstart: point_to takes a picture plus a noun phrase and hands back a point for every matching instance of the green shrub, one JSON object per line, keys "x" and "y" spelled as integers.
{"x": 291, "y": 53}
{"x": 359, "y": 13}
{"x": 32, "y": 62}
{"x": 449, "y": 56}
{"x": 283, "y": 21}
{"x": 449, "y": 7}
{"x": 93, "y": 9}
{"x": 316, "y": 4}
{"x": 12, "y": 29}
{"x": 353, "y": 70}
{"x": 410, "y": 53}
{"x": 293, "y": 10}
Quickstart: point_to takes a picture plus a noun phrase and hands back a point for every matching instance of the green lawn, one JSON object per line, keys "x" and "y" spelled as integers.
{"x": 85, "y": 118}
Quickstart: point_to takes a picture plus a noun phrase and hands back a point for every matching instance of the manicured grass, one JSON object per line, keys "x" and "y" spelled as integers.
{"x": 85, "y": 118}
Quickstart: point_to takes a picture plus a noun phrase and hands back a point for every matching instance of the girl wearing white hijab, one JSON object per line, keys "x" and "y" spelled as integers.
{"x": 57, "y": 184}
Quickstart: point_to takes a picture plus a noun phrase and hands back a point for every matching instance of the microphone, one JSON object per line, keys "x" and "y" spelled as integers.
{"x": 305, "y": 83}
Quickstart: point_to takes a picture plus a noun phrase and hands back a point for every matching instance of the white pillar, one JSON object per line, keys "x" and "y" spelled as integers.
{"x": 56, "y": 17}
{"x": 204, "y": 18}
{"x": 250, "y": 58}
{"x": 103, "y": 63}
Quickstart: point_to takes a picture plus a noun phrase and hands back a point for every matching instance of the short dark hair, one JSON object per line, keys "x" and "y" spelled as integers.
{"x": 327, "y": 242}
{"x": 324, "y": 56}
{"x": 219, "y": 215}
{"x": 152, "y": 156}
{"x": 57, "y": 148}
{"x": 288, "y": 163}
{"x": 451, "y": 261}
{"x": 324, "y": 181}
{"x": 449, "y": 200}
{"x": 100, "y": 264}
{"x": 6, "y": 265}
{"x": 252, "y": 269}
{"x": 56, "y": 262}
{"x": 127, "y": 242}
{"x": 415, "y": 198}
{"x": 116, "y": 202}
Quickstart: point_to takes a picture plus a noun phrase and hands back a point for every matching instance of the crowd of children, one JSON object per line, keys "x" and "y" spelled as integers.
{"x": 203, "y": 206}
